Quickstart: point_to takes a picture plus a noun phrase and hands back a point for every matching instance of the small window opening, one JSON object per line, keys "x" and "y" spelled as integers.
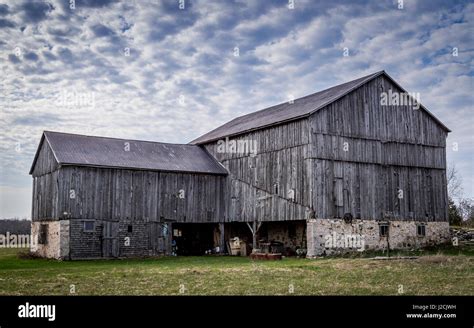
{"x": 383, "y": 230}
{"x": 88, "y": 226}
{"x": 130, "y": 228}
{"x": 43, "y": 234}
{"x": 421, "y": 230}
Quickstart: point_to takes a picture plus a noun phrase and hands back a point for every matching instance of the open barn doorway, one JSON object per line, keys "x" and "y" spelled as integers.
{"x": 194, "y": 239}
{"x": 285, "y": 237}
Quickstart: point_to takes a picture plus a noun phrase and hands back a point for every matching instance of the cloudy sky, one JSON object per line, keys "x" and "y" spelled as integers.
{"x": 173, "y": 70}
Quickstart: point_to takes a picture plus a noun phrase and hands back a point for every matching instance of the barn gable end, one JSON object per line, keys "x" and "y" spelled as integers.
{"x": 375, "y": 163}
{"x": 45, "y": 161}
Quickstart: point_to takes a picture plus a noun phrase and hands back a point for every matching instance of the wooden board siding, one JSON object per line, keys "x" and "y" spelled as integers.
{"x": 115, "y": 194}
{"x": 276, "y": 173}
{"x": 370, "y": 191}
{"x": 259, "y": 186}
{"x": 360, "y": 115}
{"x": 359, "y": 150}
{"x": 45, "y": 184}
{"x": 292, "y": 134}
{"x": 45, "y": 197}
{"x": 300, "y": 170}
{"x": 389, "y": 148}
{"x": 45, "y": 163}
{"x": 248, "y": 203}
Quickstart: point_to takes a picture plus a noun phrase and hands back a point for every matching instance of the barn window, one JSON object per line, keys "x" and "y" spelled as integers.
{"x": 383, "y": 230}
{"x": 421, "y": 230}
{"x": 130, "y": 228}
{"x": 88, "y": 226}
{"x": 43, "y": 234}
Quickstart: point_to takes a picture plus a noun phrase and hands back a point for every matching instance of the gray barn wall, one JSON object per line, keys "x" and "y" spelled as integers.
{"x": 258, "y": 186}
{"x": 117, "y": 194}
{"x": 45, "y": 185}
{"x": 390, "y": 148}
{"x": 45, "y": 163}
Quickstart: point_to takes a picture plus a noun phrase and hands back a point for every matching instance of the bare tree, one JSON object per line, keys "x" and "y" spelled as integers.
{"x": 466, "y": 208}
{"x": 454, "y": 182}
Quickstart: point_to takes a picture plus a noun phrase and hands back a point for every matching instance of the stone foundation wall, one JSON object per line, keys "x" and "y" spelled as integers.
{"x": 57, "y": 240}
{"x": 326, "y": 237}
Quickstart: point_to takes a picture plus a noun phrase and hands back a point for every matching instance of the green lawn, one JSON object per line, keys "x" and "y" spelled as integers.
{"x": 446, "y": 272}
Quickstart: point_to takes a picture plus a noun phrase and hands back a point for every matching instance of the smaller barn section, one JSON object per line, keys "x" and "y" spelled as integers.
{"x": 97, "y": 197}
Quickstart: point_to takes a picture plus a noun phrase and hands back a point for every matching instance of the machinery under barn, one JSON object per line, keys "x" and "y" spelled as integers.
{"x": 335, "y": 171}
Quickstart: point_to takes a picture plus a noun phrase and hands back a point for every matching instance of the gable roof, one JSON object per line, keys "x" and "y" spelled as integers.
{"x": 300, "y": 108}
{"x": 81, "y": 150}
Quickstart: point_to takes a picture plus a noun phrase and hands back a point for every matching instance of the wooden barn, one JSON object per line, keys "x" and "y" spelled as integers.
{"x": 358, "y": 166}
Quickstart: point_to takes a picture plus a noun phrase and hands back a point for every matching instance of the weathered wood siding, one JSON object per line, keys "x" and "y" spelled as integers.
{"x": 45, "y": 185}
{"x": 360, "y": 115}
{"x": 353, "y": 156}
{"x": 377, "y": 162}
{"x": 371, "y": 191}
{"x": 45, "y": 197}
{"x": 46, "y": 162}
{"x": 273, "y": 185}
{"x": 117, "y": 194}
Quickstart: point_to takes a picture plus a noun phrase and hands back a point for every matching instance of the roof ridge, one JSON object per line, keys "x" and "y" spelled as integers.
{"x": 114, "y": 138}
{"x": 358, "y": 82}
{"x": 311, "y": 94}
{"x": 105, "y": 152}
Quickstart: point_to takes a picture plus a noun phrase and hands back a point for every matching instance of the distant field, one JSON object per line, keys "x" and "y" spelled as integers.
{"x": 446, "y": 272}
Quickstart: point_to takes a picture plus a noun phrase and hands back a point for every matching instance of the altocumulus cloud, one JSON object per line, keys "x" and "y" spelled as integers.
{"x": 160, "y": 72}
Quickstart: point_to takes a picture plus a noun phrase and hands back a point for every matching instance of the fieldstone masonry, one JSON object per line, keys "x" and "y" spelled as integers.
{"x": 326, "y": 237}
{"x": 57, "y": 245}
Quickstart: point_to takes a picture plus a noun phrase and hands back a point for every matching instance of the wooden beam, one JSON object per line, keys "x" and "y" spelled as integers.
{"x": 254, "y": 235}
{"x": 221, "y": 239}
{"x": 254, "y": 229}
{"x": 250, "y": 227}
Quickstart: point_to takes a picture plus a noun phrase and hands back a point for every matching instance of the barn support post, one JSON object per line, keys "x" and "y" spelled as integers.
{"x": 254, "y": 229}
{"x": 254, "y": 236}
{"x": 221, "y": 239}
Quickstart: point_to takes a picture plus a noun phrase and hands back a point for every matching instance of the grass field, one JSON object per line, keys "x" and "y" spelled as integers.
{"x": 437, "y": 272}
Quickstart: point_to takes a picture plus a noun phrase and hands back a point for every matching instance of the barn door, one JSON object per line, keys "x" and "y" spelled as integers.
{"x": 159, "y": 234}
{"x": 110, "y": 245}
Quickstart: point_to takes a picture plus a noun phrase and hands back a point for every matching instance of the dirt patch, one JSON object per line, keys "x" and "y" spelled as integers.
{"x": 435, "y": 259}
{"x": 27, "y": 255}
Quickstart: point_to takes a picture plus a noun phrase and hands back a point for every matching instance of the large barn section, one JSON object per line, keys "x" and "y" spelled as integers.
{"x": 337, "y": 164}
